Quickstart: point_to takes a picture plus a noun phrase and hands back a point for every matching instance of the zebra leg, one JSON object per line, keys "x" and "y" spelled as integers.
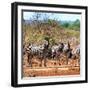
{"x": 66, "y": 60}
{"x": 30, "y": 60}
{"x": 45, "y": 62}
{"x": 41, "y": 63}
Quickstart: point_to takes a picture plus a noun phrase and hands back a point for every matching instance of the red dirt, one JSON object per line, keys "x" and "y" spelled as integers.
{"x": 53, "y": 68}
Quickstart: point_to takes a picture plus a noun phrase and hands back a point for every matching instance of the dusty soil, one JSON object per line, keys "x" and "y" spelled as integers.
{"x": 53, "y": 67}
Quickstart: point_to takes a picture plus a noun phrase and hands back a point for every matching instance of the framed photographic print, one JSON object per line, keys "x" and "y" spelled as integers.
{"x": 49, "y": 44}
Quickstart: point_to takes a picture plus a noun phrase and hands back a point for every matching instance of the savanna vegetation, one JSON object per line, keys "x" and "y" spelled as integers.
{"x": 40, "y": 28}
{"x": 36, "y": 30}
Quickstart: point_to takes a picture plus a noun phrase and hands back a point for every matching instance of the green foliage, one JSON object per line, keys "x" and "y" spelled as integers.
{"x": 47, "y": 38}
{"x": 52, "y": 42}
{"x": 72, "y": 25}
{"x": 66, "y": 25}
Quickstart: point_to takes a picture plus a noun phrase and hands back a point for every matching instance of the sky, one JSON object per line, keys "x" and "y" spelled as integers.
{"x": 57, "y": 16}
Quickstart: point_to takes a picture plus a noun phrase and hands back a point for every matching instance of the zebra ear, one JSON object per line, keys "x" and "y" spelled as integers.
{"x": 68, "y": 42}
{"x": 71, "y": 49}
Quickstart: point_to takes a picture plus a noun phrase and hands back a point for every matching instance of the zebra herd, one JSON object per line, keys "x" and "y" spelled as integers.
{"x": 45, "y": 51}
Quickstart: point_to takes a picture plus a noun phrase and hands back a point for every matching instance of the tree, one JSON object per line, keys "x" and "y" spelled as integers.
{"x": 76, "y": 25}
{"x": 36, "y": 19}
{"x": 66, "y": 24}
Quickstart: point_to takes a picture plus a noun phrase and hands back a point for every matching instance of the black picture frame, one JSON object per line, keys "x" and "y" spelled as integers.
{"x": 14, "y": 43}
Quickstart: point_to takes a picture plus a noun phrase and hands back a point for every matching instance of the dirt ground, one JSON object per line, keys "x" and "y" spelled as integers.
{"x": 53, "y": 67}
